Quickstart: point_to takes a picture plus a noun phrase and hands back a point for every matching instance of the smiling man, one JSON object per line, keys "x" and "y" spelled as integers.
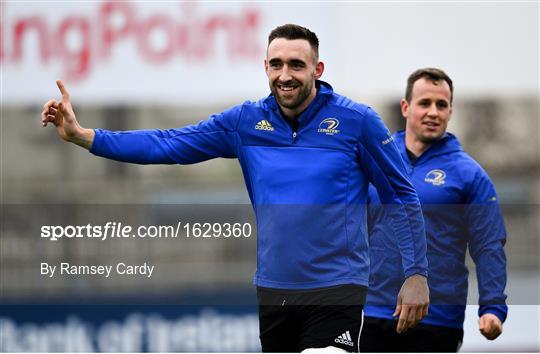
{"x": 291, "y": 67}
{"x": 461, "y": 211}
{"x": 307, "y": 154}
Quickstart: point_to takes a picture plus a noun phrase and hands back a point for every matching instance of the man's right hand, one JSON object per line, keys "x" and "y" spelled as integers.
{"x": 61, "y": 114}
{"x": 413, "y": 302}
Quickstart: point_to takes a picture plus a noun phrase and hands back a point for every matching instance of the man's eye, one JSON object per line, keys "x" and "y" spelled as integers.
{"x": 442, "y": 104}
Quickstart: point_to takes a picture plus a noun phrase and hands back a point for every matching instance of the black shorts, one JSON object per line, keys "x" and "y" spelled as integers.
{"x": 291, "y": 321}
{"x": 380, "y": 336}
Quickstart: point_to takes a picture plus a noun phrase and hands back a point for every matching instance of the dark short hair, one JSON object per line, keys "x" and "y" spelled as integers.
{"x": 432, "y": 74}
{"x": 291, "y": 31}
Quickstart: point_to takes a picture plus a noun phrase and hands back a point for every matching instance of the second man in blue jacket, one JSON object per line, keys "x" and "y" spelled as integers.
{"x": 460, "y": 210}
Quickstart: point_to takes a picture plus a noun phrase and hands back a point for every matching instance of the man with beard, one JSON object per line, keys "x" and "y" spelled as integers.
{"x": 460, "y": 210}
{"x": 307, "y": 155}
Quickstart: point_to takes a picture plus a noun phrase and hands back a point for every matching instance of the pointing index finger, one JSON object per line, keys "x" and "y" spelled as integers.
{"x": 63, "y": 90}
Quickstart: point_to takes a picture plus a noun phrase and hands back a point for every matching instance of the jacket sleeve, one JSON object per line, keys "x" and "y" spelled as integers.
{"x": 383, "y": 165}
{"x": 373, "y": 210}
{"x": 214, "y": 137}
{"x": 487, "y": 237}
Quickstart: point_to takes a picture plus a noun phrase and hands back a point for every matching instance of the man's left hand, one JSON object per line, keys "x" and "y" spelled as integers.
{"x": 490, "y": 326}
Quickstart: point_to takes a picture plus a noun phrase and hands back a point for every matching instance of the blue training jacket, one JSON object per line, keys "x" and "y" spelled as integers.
{"x": 461, "y": 211}
{"x": 308, "y": 188}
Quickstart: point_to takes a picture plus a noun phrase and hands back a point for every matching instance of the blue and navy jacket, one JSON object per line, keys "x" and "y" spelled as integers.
{"x": 308, "y": 187}
{"x": 460, "y": 211}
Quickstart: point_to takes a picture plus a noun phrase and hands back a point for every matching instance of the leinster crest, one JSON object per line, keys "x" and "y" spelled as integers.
{"x": 435, "y": 177}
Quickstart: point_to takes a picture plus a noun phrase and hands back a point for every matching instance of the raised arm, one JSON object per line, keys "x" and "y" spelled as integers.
{"x": 214, "y": 137}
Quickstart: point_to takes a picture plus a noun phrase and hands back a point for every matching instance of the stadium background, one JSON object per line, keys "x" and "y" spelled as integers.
{"x": 150, "y": 65}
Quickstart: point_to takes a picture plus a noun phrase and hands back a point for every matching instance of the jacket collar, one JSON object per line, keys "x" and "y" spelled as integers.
{"x": 449, "y": 143}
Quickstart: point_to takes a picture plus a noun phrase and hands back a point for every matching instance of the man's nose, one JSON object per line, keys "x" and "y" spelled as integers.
{"x": 433, "y": 111}
{"x": 285, "y": 76}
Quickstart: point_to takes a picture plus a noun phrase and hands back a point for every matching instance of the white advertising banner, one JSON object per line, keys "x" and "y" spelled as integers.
{"x": 193, "y": 53}
{"x": 141, "y": 52}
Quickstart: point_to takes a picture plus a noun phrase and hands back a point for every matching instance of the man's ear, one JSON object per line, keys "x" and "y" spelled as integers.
{"x": 404, "y": 108}
{"x": 319, "y": 69}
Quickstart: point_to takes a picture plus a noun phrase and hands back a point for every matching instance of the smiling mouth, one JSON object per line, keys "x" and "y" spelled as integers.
{"x": 431, "y": 124}
{"x": 287, "y": 88}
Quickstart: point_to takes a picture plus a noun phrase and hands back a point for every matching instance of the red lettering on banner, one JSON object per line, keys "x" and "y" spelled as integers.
{"x": 247, "y": 35}
{"x": 1, "y": 40}
{"x": 20, "y": 28}
{"x": 76, "y": 60}
{"x": 1, "y": 32}
{"x": 150, "y": 26}
{"x": 109, "y": 34}
{"x": 81, "y": 40}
